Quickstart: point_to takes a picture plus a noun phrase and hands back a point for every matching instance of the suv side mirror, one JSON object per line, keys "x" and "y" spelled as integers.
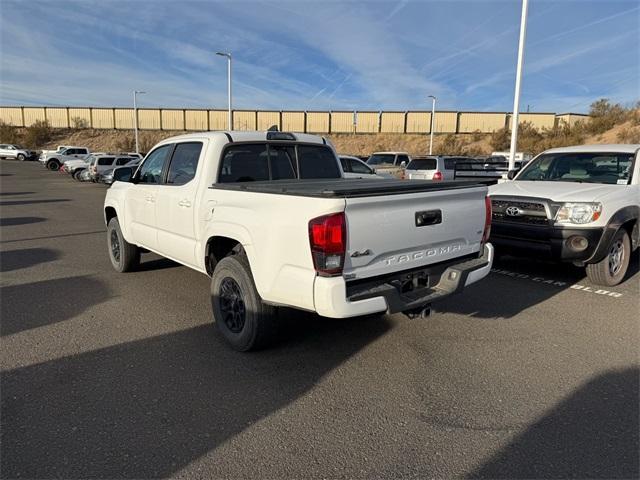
{"x": 123, "y": 174}
{"x": 403, "y": 164}
{"x": 511, "y": 174}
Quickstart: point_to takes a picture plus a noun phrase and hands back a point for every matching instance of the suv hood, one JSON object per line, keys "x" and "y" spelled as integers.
{"x": 556, "y": 191}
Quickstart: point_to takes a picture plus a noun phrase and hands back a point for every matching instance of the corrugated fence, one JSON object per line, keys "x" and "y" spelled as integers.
{"x": 294, "y": 121}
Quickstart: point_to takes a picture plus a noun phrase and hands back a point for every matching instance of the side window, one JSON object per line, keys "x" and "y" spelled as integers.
{"x": 244, "y": 163}
{"x": 346, "y": 164}
{"x": 104, "y": 161}
{"x": 359, "y": 167}
{"x": 402, "y": 158}
{"x": 151, "y": 170}
{"x": 122, "y": 161}
{"x": 184, "y": 163}
{"x": 449, "y": 163}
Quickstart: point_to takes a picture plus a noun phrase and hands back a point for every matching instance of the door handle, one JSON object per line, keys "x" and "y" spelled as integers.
{"x": 184, "y": 203}
{"x": 150, "y": 199}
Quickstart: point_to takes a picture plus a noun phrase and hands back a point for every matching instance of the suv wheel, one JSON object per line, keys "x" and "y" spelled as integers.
{"x": 240, "y": 315}
{"x": 53, "y": 165}
{"x": 611, "y": 269}
{"x": 21, "y": 157}
{"x": 124, "y": 256}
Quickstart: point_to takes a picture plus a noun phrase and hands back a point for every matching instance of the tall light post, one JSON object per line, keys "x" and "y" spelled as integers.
{"x": 433, "y": 116}
{"x": 516, "y": 98}
{"x": 228, "y": 55}
{"x": 135, "y": 114}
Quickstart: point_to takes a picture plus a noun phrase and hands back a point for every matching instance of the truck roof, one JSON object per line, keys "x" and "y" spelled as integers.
{"x": 246, "y": 136}
{"x": 389, "y": 153}
{"x": 620, "y": 147}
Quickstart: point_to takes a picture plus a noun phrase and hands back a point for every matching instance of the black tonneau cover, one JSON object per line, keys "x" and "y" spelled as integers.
{"x": 344, "y": 188}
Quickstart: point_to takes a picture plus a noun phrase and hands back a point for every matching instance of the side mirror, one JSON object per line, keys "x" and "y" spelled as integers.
{"x": 511, "y": 174}
{"x": 403, "y": 164}
{"x": 123, "y": 174}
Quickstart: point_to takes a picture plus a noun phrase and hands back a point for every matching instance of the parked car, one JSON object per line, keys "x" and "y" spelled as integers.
{"x": 269, "y": 217}
{"x": 389, "y": 163}
{"x": 107, "y": 176}
{"x": 106, "y": 162}
{"x": 432, "y": 168}
{"x": 44, "y": 153}
{"x": 353, "y": 167}
{"x": 573, "y": 204}
{"x": 17, "y": 152}
{"x": 53, "y": 161}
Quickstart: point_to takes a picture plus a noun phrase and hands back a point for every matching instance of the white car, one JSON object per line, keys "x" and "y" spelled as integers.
{"x": 574, "y": 204}
{"x": 432, "y": 168}
{"x": 14, "y": 151}
{"x": 389, "y": 163}
{"x": 53, "y": 161}
{"x": 353, "y": 167}
{"x": 269, "y": 217}
{"x": 44, "y": 153}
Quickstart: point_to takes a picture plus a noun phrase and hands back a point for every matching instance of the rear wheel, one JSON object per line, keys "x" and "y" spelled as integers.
{"x": 611, "y": 269}
{"x": 21, "y": 157}
{"x": 243, "y": 319}
{"x": 53, "y": 165}
{"x": 76, "y": 174}
{"x": 124, "y": 256}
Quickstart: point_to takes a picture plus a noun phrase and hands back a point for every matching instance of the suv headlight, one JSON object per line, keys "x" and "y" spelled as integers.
{"x": 579, "y": 213}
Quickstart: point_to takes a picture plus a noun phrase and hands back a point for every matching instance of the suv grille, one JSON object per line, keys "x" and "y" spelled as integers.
{"x": 532, "y": 213}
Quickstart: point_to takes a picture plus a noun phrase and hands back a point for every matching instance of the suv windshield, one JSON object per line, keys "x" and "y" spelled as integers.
{"x": 609, "y": 168}
{"x": 381, "y": 159}
{"x": 423, "y": 164}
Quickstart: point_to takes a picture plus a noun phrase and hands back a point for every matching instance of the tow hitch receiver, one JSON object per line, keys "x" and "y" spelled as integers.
{"x": 418, "y": 313}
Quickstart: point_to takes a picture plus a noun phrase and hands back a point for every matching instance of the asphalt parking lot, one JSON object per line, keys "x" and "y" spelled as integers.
{"x": 531, "y": 373}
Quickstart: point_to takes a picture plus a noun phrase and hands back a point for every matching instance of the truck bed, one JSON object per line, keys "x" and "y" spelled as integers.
{"x": 345, "y": 188}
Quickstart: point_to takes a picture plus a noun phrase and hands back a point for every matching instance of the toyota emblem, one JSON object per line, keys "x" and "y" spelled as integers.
{"x": 513, "y": 211}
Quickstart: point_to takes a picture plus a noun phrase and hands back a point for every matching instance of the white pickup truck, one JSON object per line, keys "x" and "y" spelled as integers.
{"x": 574, "y": 204}
{"x": 269, "y": 217}
{"x": 53, "y": 161}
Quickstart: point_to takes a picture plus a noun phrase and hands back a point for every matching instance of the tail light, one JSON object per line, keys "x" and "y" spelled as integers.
{"x": 437, "y": 176}
{"x": 328, "y": 239}
{"x": 402, "y": 175}
{"x": 487, "y": 219}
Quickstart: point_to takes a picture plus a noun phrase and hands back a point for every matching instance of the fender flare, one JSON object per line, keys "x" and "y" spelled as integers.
{"x": 622, "y": 216}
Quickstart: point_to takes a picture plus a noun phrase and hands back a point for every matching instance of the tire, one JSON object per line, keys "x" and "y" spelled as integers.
{"x": 21, "y": 157}
{"x": 240, "y": 315}
{"x": 123, "y": 255}
{"x": 53, "y": 165}
{"x": 611, "y": 270}
{"x": 76, "y": 174}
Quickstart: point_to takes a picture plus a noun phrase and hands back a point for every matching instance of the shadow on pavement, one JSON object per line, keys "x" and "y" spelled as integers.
{"x": 43, "y": 303}
{"x": 4, "y": 194}
{"x": 13, "y": 221}
{"x": 148, "y": 408}
{"x": 26, "y": 257}
{"x": 31, "y": 202}
{"x": 592, "y": 434}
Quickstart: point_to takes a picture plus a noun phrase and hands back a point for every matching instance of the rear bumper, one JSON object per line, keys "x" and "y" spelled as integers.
{"x": 334, "y": 298}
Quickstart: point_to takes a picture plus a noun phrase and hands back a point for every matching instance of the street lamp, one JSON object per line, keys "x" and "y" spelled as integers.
{"x": 516, "y": 97}
{"x": 135, "y": 114}
{"x": 228, "y": 55}
{"x": 433, "y": 115}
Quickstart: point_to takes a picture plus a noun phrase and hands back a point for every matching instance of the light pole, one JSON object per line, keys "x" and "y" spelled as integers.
{"x": 433, "y": 115}
{"x": 228, "y": 55}
{"x": 516, "y": 98}
{"x": 135, "y": 114}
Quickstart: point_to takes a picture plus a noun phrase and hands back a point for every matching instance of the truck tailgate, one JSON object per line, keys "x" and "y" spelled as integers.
{"x": 390, "y": 233}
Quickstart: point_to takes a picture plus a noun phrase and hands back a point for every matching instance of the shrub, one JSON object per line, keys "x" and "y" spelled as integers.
{"x": 500, "y": 139}
{"x": 451, "y": 145}
{"x": 38, "y": 134}
{"x": 477, "y": 135}
{"x": 9, "y": 133}
{"x": 605, "y": 116}
{"x": 79, "y": 122}
{"x": 629, "y": 135}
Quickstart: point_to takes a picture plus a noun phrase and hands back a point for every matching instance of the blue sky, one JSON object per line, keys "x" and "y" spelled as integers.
{"x": 367, "y": 55}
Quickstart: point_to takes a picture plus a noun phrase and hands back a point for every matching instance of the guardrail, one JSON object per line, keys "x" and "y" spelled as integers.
{"x": 353, "y": 122}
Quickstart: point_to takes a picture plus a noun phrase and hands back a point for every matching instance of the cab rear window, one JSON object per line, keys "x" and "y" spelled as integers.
{"x": 251, "y": 162}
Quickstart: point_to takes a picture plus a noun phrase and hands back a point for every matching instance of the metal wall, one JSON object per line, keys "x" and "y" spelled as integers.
{"x": 288, "y": 121}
